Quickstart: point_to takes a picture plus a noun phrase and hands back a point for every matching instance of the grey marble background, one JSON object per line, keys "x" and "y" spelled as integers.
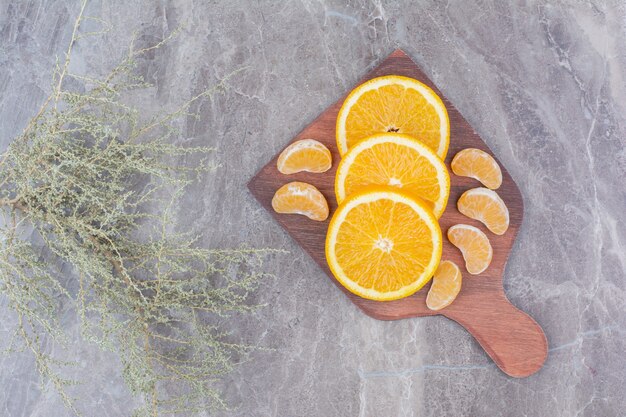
{"x": 544, "y": 84}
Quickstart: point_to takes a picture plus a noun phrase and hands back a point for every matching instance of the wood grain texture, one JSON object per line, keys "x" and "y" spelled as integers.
{"x": 514, "y": 341}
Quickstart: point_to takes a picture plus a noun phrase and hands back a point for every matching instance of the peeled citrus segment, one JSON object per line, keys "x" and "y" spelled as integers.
{"x": 394, "y": 104}
{"x": 383, "y": 244}
{"x": 477, "y": 164}
{"x": 474, "y": 245}
{"x": 395, "y": 160}
{"x": 300, "y": 198}
{"x": 304, "y": 155}
{"x": 446, "y": 286}
{"x": 486, "y": 206}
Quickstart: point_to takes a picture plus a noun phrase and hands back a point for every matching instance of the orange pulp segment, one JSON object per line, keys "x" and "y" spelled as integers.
{"x": 446, "y": 286}
{"x": 474, "y": 245}
{"x": 304, "y": 155}
{"x": 486, "y": 206}
{"x": 300, "y": 198}
{"x": 477, "y": 164}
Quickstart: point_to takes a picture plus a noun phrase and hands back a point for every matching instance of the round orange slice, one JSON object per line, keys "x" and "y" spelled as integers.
{"x": 474, "y": 245}
{"x": 383, "y": 244}
{"x": 396, "y": 160}
{"x": 479, "y": 165}
{"x": 304, "y": 155}
{"x": 300, "y": 198}
{"x": 394, "y": 104}
{"x": 486, "y": 206}
{"x": 446, "y": 286}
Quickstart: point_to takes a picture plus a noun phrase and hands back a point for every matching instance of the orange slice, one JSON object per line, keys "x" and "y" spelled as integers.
{"x": 474, "y": 245}
{"x": 383, "y": 244}
{"x": 300, "y": 198}
{"x": 446, "y": 286}
{"x": 479, "y": 165}
{"x": 486, "y": 206}
{"x": 304, "y": 155}
{"x": 394, "y": 104}
{"x": 396, "y": 160}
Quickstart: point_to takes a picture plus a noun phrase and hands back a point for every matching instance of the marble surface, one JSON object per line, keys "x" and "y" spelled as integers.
{"x": 543, "y": 83}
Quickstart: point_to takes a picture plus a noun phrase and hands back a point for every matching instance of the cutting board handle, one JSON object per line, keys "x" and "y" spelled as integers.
{"x": 514, "y": 341}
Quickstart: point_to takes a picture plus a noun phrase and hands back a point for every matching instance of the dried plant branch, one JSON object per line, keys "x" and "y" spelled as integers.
{"x": 85, "y": 177}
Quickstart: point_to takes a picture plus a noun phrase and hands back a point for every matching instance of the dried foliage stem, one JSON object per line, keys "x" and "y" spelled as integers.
{"x": 90, "y": 186}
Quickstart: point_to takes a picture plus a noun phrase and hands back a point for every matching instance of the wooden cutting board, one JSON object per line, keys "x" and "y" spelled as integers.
{"x": 510, "y": 337}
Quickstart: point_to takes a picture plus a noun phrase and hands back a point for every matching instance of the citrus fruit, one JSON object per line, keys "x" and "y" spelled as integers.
{"x": 394, "y": 104}
{"x": 474, "y": 245}
{"x": 300, "y": 198}
{"x": 304, "y": 155}
{"x": 383, "y": 243}
{"x": 395, "y": 160}
{"x": 486, "y": 206}
{"x": 446, "y": 286}
{"x": 479, "y": 165}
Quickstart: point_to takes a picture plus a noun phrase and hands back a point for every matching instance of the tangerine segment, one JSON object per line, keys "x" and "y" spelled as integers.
{"x": 394, "y": 104}
{"x": 395, "y": 160}
{"x": 474, "y": 245}
{"x": 477, "y": 164}
{"x": 486, "y": 206}
{"x": 383, "y": 244}
{"x": 446, "y": 286}
{"x": 300, "y": 198}
{"x": 304, "y": 155}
